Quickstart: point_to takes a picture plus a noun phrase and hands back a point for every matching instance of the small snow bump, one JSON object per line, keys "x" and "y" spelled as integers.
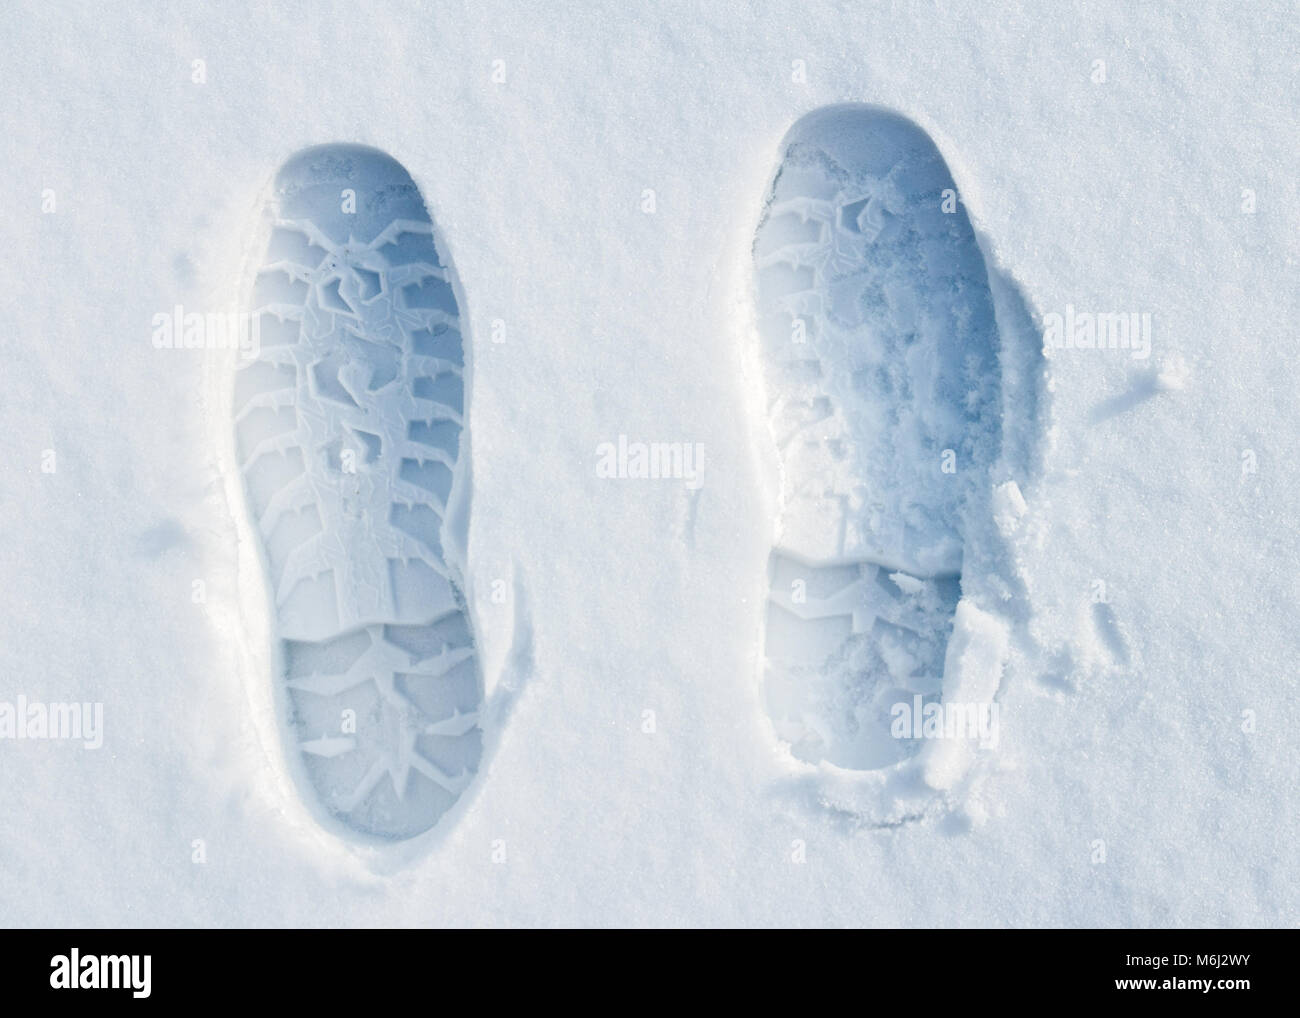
{"x": 1173, "y": 374}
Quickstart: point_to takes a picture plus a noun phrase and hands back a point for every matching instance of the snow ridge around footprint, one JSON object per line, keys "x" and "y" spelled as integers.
{"x": 880, "y": 355}
{"x": 349, "y": 433}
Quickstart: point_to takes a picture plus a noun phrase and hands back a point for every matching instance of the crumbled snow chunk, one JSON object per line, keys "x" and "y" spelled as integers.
{"x": 1008, "y": 507}
{"x": 972, "y": 673}
{"x": 906, "y": 583}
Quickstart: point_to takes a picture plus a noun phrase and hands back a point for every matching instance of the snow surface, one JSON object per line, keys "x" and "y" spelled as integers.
{"x": 1146, "y": 769}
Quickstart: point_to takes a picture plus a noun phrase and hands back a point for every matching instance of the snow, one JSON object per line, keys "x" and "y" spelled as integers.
{"x": 1008, "y": 507}
{"x": 977, "y": 651}
{"x": 600, "y": 205}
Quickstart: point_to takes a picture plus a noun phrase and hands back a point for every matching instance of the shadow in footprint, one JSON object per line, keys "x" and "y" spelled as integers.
{"x": 903, "y": 375}
{"x": 349, "y": 428}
